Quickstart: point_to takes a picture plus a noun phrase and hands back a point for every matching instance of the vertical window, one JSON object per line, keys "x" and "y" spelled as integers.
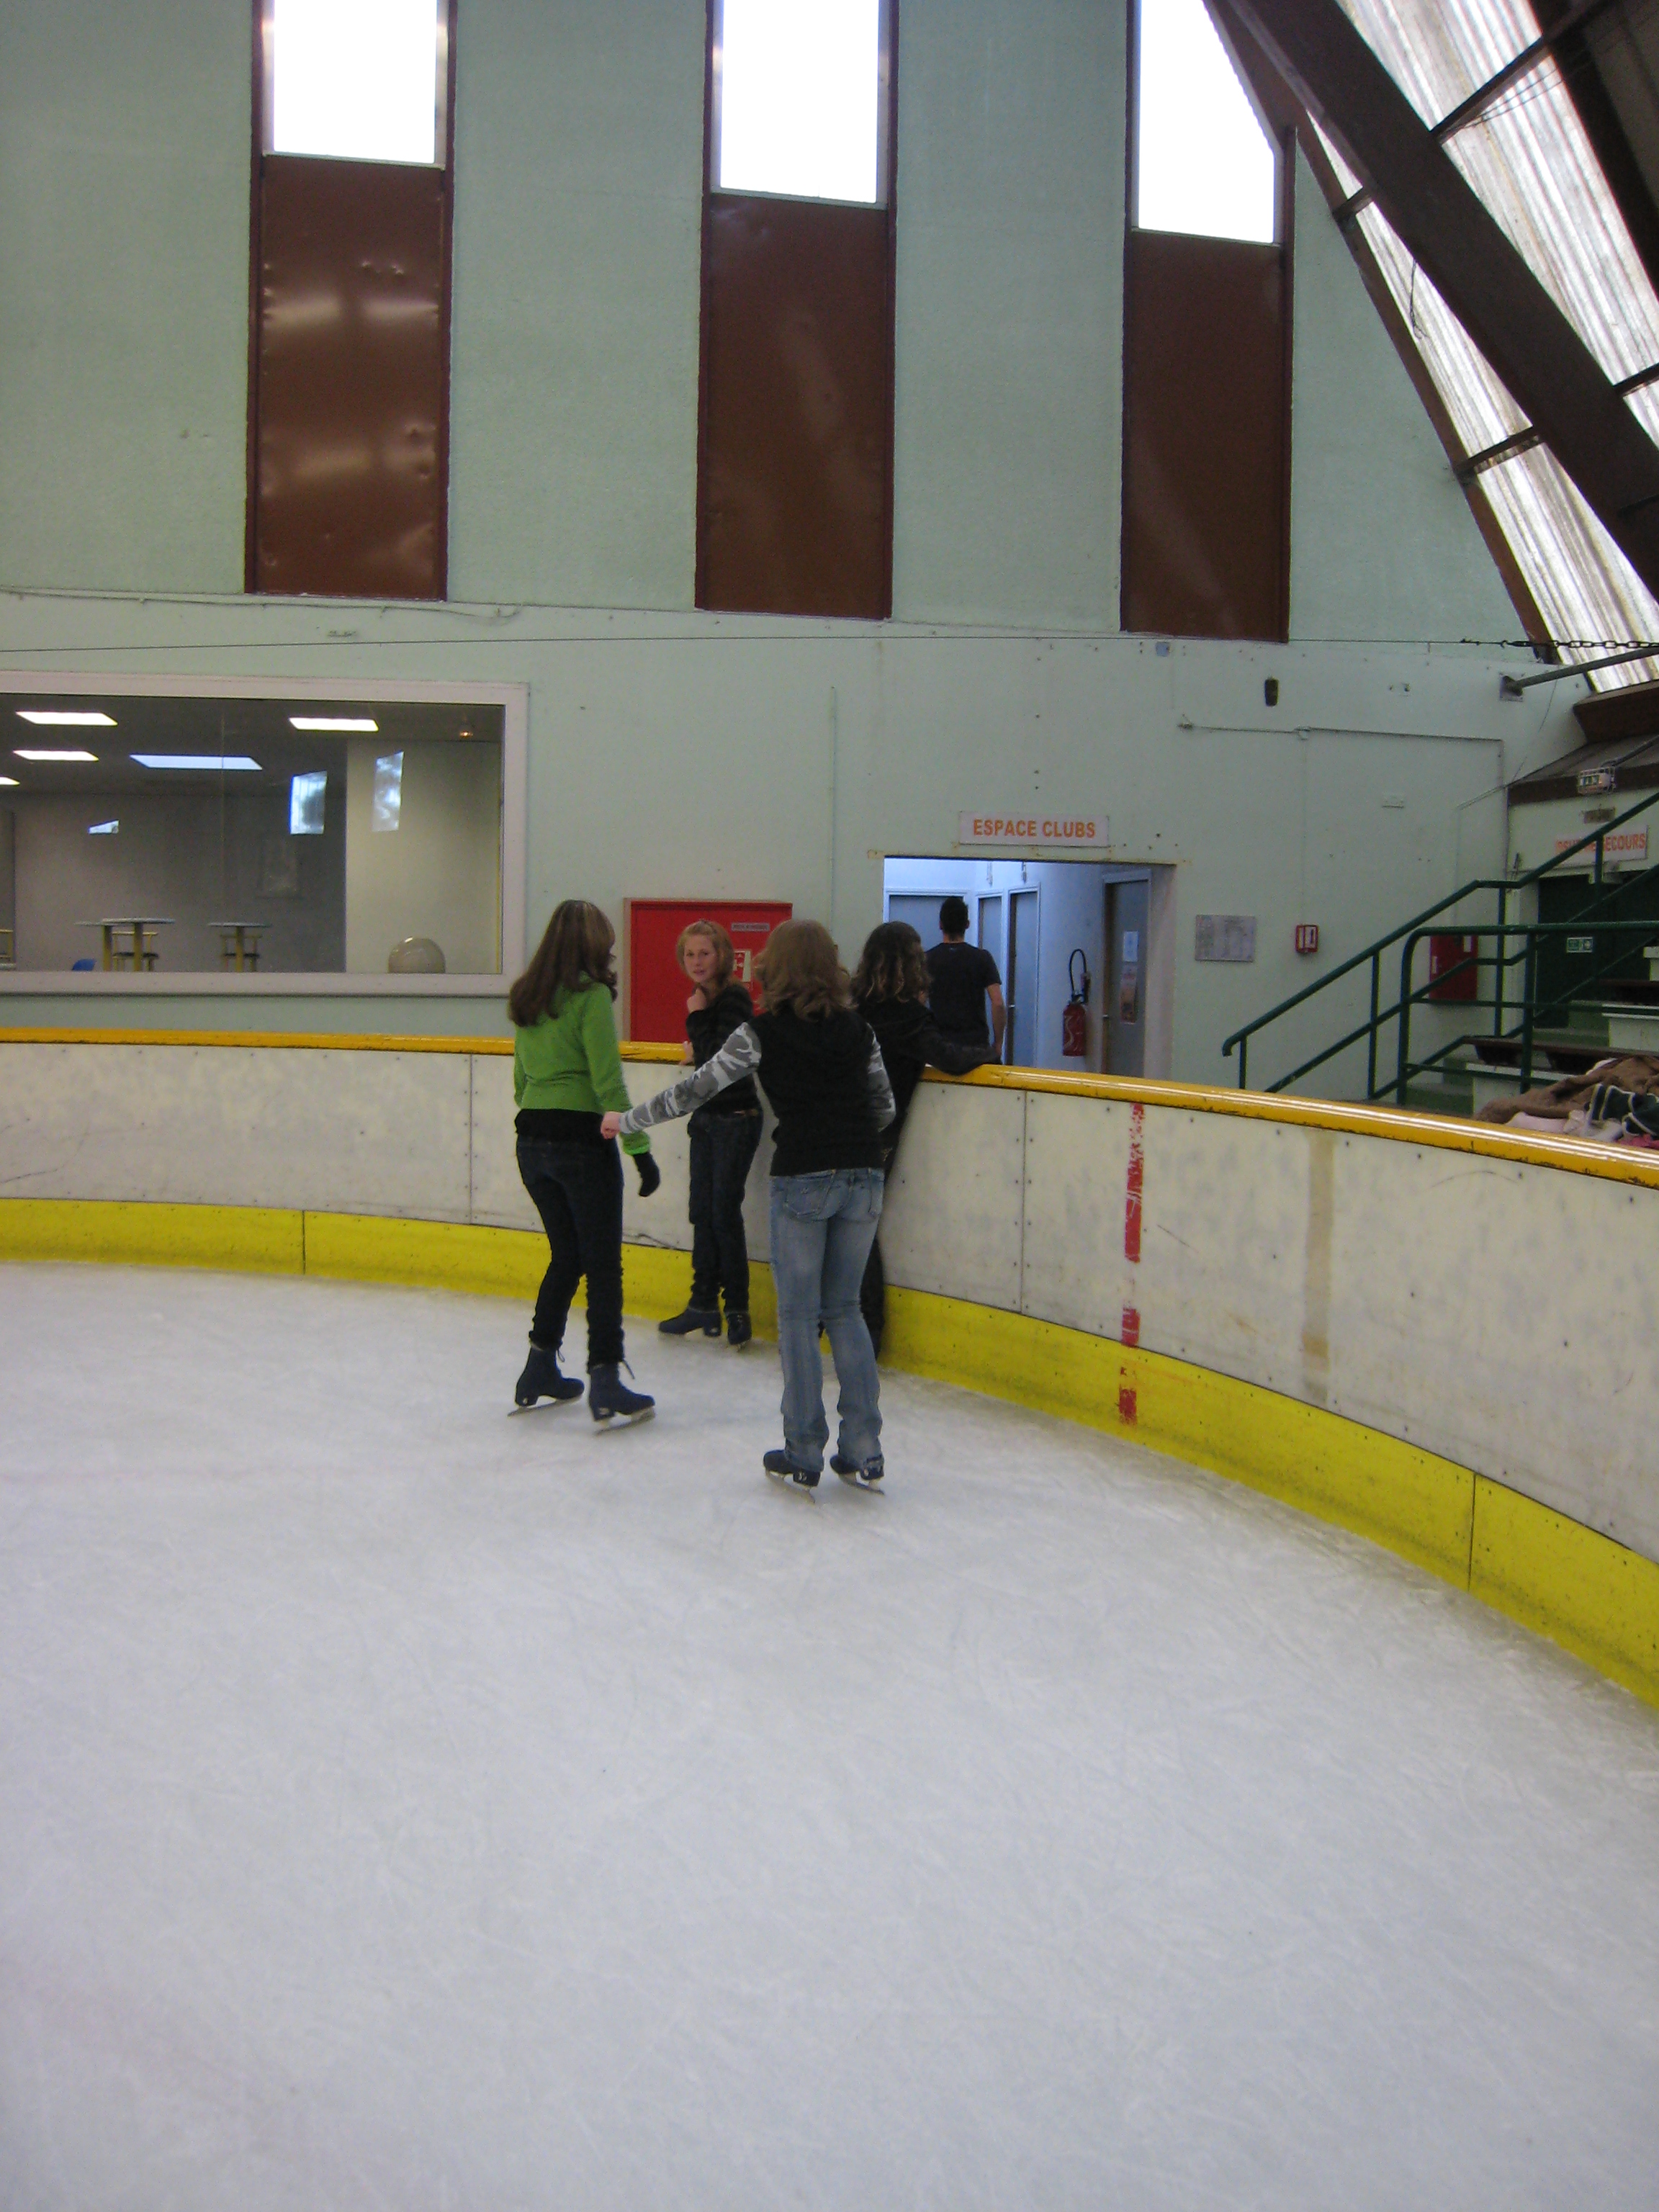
{"x": 348, "y": 444}
{"x": 1203, "y": 164}
{"x": 1207, "y": 345}
{"x": 794, "y": 478}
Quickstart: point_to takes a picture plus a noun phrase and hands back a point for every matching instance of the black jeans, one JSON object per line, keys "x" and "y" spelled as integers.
{"x": 723, "y": 1148}
{"x": 577, "y": 1189}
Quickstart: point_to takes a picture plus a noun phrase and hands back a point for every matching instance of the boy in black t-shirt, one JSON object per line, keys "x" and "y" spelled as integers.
{"x": 960, "y": 977}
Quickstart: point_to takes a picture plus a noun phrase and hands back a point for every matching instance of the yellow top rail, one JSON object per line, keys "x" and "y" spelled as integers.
{"x": 1441, "y": 1133}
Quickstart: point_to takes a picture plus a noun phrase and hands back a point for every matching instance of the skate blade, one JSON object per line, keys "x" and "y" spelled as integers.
{"x": 538, "y": 1405}
{"x": 623, "y": 1421}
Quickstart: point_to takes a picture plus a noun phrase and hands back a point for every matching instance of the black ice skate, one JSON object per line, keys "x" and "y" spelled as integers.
{"x": 782, "y": 1468}
{"x": 739, "y": 1330}
{"x": 706, "y": 1318}
{"x": 608, "y": 1395}
{"x": 541, "y": 1379}
{"x": 862, "y": 1477}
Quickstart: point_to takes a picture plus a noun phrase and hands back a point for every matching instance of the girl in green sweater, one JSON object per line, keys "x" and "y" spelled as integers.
{"x": 567, "y": 1074}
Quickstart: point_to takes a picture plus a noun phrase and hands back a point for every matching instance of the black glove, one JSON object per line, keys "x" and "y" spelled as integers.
{"x": 650, "y": 1173}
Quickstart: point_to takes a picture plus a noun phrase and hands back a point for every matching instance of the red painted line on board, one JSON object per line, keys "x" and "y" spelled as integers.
{"x": 1132, "y": 1188}
{"x": 1130, "y": 1331}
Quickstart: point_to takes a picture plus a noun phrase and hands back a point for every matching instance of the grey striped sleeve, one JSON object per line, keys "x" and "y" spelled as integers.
{"x": 737, "y": 1057}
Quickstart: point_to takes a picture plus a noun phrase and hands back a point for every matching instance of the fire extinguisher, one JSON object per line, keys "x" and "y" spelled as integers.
{"x": 1074, "y": 1021}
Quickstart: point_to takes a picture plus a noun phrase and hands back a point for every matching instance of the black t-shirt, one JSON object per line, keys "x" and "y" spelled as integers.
{"x": 962, "y": 975}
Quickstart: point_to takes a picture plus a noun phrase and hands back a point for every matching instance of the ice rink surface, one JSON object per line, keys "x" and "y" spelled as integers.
{"x": 407, "y": 1806}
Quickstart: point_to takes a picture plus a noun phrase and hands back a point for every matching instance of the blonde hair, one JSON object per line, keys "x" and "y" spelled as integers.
{"x": 726, "y": 958}
{"x": 800, "y": 968}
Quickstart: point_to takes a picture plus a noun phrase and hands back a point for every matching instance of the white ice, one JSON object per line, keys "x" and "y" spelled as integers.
{"x": 404, "y": 1805}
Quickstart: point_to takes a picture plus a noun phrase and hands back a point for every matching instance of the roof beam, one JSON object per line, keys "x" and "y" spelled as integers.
{"x": 1546, "y": 367}
{"x": 1472, "y": 109}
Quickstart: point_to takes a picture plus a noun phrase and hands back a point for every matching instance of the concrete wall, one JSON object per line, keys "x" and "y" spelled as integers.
{"x": 1345, "y": 1267}
{"x": 438, "y": 873}
{"x": 768, "y": 759}
{"x": 123, "y": 184}
{"x": 1382, "y": 543}
{"x": 124, "y": 269}
{"x": 1009, "y": 315}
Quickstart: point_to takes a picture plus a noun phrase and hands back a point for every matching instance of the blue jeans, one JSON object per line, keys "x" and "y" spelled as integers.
{"x": 823, "y": 1227}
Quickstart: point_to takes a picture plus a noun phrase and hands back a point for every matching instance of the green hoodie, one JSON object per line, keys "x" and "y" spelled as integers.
{"x": 568, "y": 1060}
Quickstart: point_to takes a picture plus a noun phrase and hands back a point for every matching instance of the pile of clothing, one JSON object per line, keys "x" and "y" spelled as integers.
{"x": 1614, "y": 1102}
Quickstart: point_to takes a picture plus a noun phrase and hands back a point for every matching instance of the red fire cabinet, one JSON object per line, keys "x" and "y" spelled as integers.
{"x": 657, "y": 989}
{"x": 1453, "y": 977}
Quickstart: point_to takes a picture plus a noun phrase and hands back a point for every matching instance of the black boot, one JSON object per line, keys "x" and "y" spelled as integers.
{"x": 608, "y": 1395}
{"x": 706, "y": 1318}
{"x": 739, "y": 1330}
{"x": 541, "y": 1379}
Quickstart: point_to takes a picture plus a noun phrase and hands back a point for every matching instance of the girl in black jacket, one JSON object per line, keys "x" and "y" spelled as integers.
{"x": 724, "y": 1131}
{"x": 821, "y": 1069}
{"x": 891, "y": 989}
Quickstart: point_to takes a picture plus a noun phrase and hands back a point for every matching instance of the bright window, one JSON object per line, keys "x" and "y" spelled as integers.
{"x": 1203, "y": 162}
{"x": 359, "y": 80}
{"x": 799, "y": 99}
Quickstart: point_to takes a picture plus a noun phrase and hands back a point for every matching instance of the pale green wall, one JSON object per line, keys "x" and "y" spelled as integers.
{"x": 1382, "y": 543}
{"x": 573, "y": 401}
{"x": 1010, "y": 286}
{"x": 124, "y": 271}
{"x": 123, "y": 184}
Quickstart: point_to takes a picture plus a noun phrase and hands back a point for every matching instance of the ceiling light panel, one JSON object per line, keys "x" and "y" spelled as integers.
{"x": 30, "y": 752}
{"x": 66, "y": 718}
{"x": 215, "y": 760}
{"x": 331, "y": 722}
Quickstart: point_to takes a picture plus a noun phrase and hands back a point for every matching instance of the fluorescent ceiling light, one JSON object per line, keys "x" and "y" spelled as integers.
{"x": 66, "y": 718}
{"x": 25, "y": 753}
{"x": 11, "y": 779}
{"x": 331, "y": 722}
{"x": 195, "y": 760}
{"x": 102, "y": 829}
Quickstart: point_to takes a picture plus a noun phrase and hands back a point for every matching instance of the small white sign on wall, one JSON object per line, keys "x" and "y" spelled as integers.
{"x": 1024, "y": 830}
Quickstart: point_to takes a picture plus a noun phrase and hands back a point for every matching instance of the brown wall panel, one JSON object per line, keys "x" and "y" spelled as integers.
{"x": 1205, "y": 437}
{"x": 795, "y": 483}
{"x": 351, "y": 380}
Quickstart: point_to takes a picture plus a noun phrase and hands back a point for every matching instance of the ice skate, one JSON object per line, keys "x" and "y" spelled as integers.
{"x": 790, "y": 1471}
{"x": 862, "y": 1477}
{"x": 739, "y": 1330}
{"x": 541, "y": 1379}
{"x": 608, "y": 1396}
{"x": 706, "y": 1318}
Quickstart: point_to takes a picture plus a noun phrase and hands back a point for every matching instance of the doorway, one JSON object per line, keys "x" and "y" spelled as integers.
{"x": 1035, "y": 917}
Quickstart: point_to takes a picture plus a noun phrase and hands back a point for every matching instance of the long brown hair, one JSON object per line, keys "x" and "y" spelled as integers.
{"x": 574, "y": 953}
{"x": 892, "y": 965}
{"x": 726, "y": 958}
{"x": 800, "y": 968}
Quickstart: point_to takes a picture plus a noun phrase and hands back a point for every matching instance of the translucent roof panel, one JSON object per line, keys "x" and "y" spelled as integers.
{"x": 1528, "y": 159}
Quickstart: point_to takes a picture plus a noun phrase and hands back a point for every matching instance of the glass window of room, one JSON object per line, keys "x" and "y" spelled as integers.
{"x": 1203, "y": 163}
{"x": 356, "y": 80}
{"x": 241, "y": 835}
{"x": 799, "y": 98}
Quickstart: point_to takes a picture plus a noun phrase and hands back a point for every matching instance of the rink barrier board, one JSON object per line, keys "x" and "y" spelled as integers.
{"x": 1574, "y": 1155}
{"x": 1555, "y": 1576}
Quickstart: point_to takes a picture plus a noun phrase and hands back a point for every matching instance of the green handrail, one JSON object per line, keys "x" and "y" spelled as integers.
{"x": 1416, "y": 928}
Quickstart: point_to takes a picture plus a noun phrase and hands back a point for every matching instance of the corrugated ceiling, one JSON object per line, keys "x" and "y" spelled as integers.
{"x": 1530, "y": 162}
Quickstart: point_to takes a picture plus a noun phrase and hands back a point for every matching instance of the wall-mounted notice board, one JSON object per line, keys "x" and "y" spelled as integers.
{"x": 657, "y": 991}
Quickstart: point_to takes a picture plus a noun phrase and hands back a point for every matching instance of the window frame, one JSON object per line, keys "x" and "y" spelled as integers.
{"x": 264, "y": 31}
{"x": 512, "y": 699}
{"x": 1284, "y": 167}
{"x": 442, "y": 89}
{"x": 886, "y": 10}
